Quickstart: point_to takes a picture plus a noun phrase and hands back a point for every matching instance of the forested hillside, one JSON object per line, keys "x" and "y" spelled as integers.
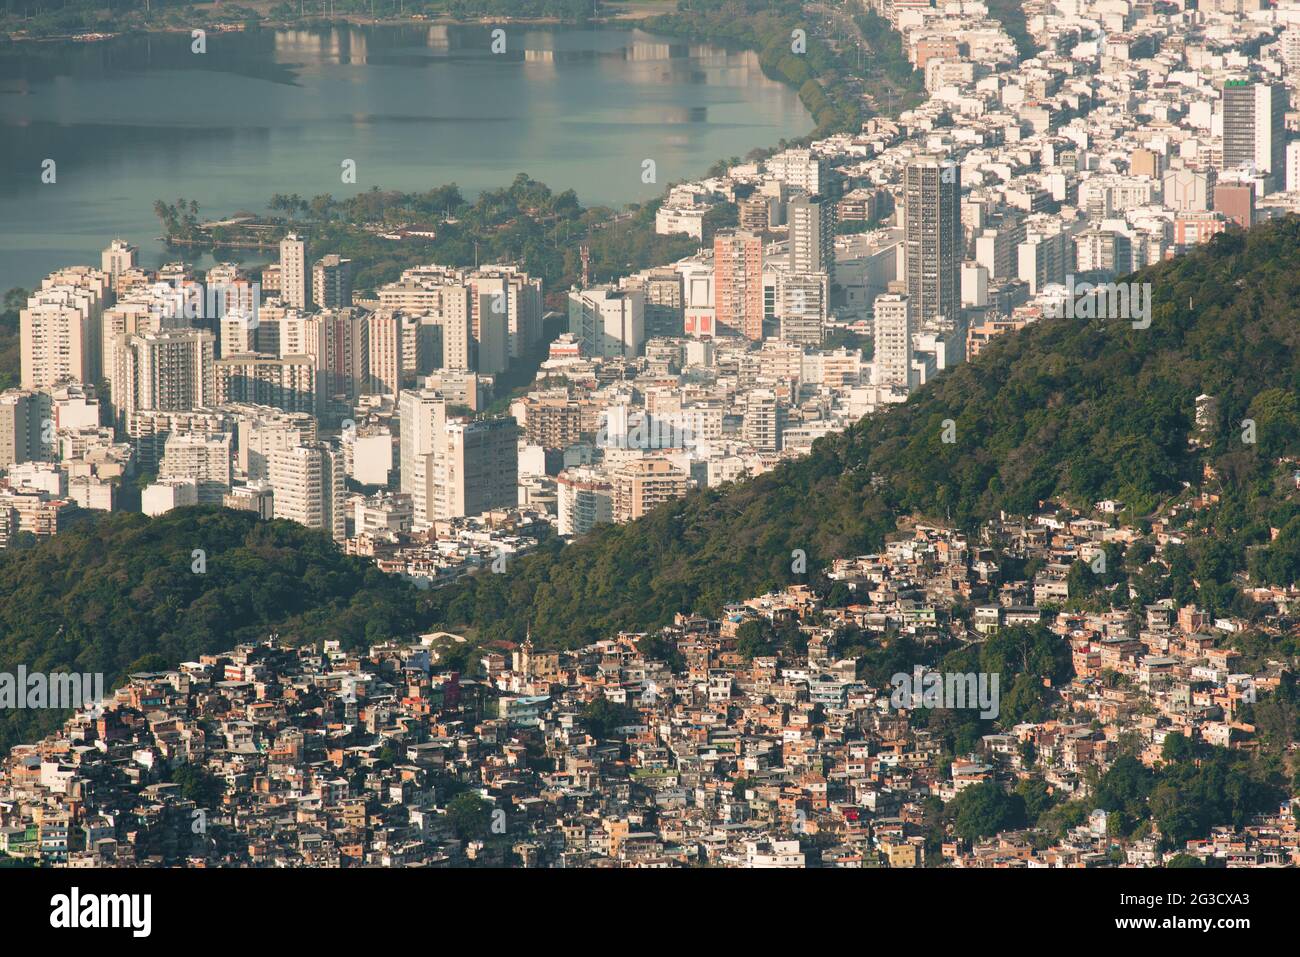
{"x": 1073, "y": 409}
{"x": 1070, "y": 409}
{"x": 121, "y": 594}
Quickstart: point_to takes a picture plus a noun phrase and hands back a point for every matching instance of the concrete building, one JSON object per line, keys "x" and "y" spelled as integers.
{"x": 423, "y": 418}
{"x": 203, "y": 459}
{"x": 331, "y": 282}
{"x": 893, "y": 335}
{"x": 478, "y": 467}
{"x": 23, "y": 432}
{"x": 308, "y": 485}
{"x": 1254, "y": 128}
{"x": 166, "y": 494}
{"x": 295, "y": 280}
{"x": 644, "y": 483}
{"x": 812, "y": 234}
{"x": 287, "y": 383}
{"x": 738, "y": 284}
{"x": 764, "y": 420}
{"x": 933, "y": 239}
{"x": 59, "y": 328}
{"x": 584, "y": 499}
{"x": 608, "y": 321}
{"x": 118, "y": 258}
{"x": 168, "y": 370}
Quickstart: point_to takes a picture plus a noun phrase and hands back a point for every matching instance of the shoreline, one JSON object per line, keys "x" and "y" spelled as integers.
{"x": 630, "y": 18}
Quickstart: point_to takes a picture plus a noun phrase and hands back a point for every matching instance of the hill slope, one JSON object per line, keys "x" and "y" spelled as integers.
{"x": 1068, "y": 408}
{"x": 120, "y": 594}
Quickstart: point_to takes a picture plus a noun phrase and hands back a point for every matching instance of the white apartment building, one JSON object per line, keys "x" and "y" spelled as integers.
{"x": 584, "y": 499}
{"x": 608, "y": 321}
{"x": 308, "y": 487}
{"x": 423, "y": 417}
{"x": 60, "y": 328}
{"x": 893, "y": 334}
{"x": 295, "y": 275}
{"x": 204, "y": 459}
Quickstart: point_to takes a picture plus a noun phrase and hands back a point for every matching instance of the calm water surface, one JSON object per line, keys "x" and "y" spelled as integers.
{"x": 135, "y": 119}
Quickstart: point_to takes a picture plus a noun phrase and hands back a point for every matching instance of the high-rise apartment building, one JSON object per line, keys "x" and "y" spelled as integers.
{"x": 384, "y": 354}
{"x": 764, "y": 420}
{"x": 262, "y": 430}
{"x": 1293, "y": 166}
{"x": 584, "y": 499}
{"x": 455, "y": 468}
{"x": 506, "y": 291}
{"x": 802, "y": 301}
{"x": 812, "y": 235}
{"x": 933, "y": 237}
{"x": 204, "y": 459}
{"x": 738, "y": 284}
{"x": 118, "y": 258}
{"x": 1254, "y": 128}
{"x": 60, "y": 328}
{"x": 893, "y": 340}
{"x": 167, "y": 370}
{"x": 608, "y": 321}
{"x": 477, "y": 467}
{"x": 798, "y": 169}
{"x": 295, "y": 288}
{"x": 309, "y": 489}
{"x": 423, "y": 417}
{"x": 22, "y": 417}
{"x": 1103, "y": 254}
{"x": 285, "y": 382}
{"x": 331, "y": 282}
{"x": 642, "y": 484}
{"x": 664, "y": 300}
{"x": 483, "y": 317}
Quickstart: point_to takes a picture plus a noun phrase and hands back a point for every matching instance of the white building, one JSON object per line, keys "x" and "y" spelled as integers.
{"x": 308, "y": 484}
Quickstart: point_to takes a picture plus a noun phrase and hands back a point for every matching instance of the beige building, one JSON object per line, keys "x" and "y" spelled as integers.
{"x": 205, "y": 459}
{"x": 294, "y": 278}
{"x": 642, "y": 484}
{"x": 478, "y": 467}
{"x": 168, "y": 370}
{"x": 61, "y": 326}
{"x": 287, "y": 383}
{"x": 423, "y": 416}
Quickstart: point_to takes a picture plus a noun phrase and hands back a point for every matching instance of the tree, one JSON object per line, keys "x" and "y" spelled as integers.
{"x": 1177, "y": 747}
{"x": 602, "y": 716}
{"x": 982, "y": 810}
{"x": 755, "y": 638}
{"x": 198, "y": 785}
{"x": 469, "y": 816}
